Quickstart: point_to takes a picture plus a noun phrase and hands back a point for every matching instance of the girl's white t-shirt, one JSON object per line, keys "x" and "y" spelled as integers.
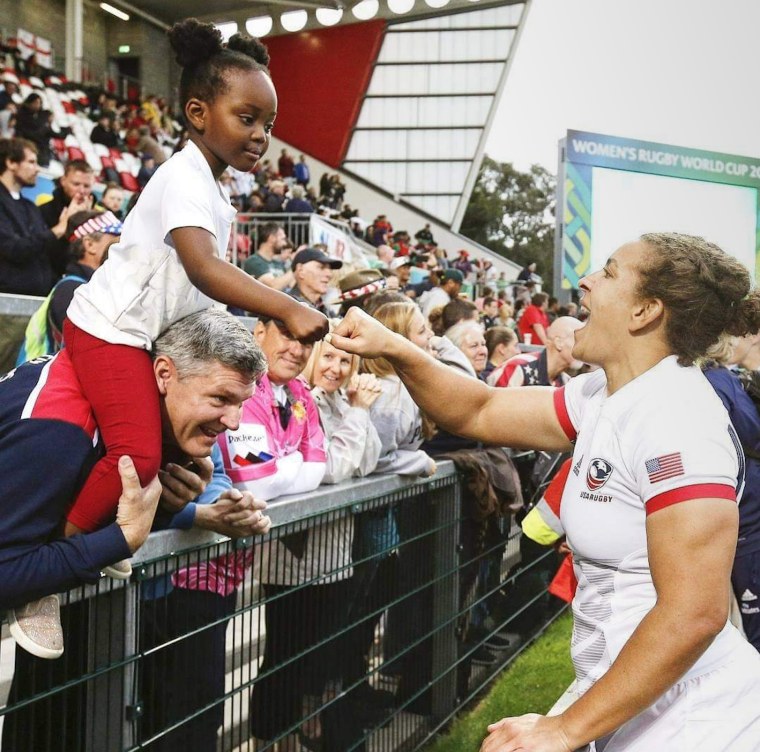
{"x": 142, "y": 288}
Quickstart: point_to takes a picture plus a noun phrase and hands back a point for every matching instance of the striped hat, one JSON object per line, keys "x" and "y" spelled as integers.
{"x": 107, "y": 223}
{"x": 362, "y": 282}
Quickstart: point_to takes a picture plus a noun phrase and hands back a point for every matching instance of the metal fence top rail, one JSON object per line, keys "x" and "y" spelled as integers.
{"x": 287, "y": 509}
{"x": 18, "y": 305}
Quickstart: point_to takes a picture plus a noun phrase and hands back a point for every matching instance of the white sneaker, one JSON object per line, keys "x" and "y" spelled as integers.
{"x": 120, "y": 570}
{"x": 36, "y": 627}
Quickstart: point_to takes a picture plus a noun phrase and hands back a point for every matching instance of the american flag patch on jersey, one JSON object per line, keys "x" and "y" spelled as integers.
{"x": 662, "y": 468}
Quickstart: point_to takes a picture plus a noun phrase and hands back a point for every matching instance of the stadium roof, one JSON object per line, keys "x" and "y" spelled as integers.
{"x": 166, "y": 12}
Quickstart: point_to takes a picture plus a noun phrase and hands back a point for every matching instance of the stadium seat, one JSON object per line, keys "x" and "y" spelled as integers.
{"x": 133, "y": 162}
{"x": 129, "y": 181}
{"x": 75, "y": 153}
{"x": 54, "y": 170}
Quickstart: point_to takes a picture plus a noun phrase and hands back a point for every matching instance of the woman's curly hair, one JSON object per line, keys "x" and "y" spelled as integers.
{"x": 706, "y": 292}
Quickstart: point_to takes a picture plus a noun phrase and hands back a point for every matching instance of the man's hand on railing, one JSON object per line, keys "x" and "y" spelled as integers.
{"x": 180, "y": 485}
{"x": 236, "y": 514}
{"x": 137, "y": 505}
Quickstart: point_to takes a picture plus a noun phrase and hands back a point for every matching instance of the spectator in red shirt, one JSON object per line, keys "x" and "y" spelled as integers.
{"x": 534, "y": 322}
{"x": 381, "y": 231}
{"x": 285, "y": 165}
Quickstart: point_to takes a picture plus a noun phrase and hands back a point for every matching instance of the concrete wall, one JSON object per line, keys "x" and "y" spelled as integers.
{"x": 48, "y": 19}
{"x": 150, "y": 44}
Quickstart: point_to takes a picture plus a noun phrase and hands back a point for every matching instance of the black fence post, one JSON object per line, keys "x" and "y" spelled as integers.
{"x": 446, "y": 505}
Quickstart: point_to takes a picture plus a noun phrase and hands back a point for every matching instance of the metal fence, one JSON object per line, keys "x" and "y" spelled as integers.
{"x": 15, "y": 311}
{"x": 297, "y": 227}
{"x": 357, "y": 623}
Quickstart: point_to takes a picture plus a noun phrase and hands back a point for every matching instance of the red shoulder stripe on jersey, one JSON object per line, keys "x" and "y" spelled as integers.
{"x": 687, "y": 493}
{"x": 562, "y": 414}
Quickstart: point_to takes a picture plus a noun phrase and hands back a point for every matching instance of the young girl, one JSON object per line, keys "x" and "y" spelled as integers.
{"x": 170, "y": 261}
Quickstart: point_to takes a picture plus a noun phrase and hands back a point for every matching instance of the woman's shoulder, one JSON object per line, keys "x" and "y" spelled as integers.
{"x": 681, "y": 399}
{"x": 331, "y": 403}
{"x": 584, "y": 387}
{"x": 392, "y": 391}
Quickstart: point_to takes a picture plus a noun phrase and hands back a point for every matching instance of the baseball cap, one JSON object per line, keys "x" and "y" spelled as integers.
{"x": 314, "y": 254}
{"x": 400, "y": 261}
{"x": 106, "y": 222}
{"x": 454, "y": 274}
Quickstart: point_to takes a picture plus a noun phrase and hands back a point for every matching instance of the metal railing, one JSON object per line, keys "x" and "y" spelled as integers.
{"x": 352, "y": 621}
{"x": 15, "y": 311}
{"x": 297, "y": 228}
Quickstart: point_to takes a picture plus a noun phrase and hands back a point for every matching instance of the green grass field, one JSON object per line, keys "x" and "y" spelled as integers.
{"x": 532, "y": 684}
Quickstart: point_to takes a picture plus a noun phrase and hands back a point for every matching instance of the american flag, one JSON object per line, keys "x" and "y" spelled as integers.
{"x": 666, "y": 466}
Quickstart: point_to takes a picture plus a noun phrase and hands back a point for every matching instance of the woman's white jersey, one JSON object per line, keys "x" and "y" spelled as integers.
{"x": 662, "y": 439}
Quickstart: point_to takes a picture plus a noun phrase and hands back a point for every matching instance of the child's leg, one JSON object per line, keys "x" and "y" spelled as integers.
{"x": 119, "y": 384}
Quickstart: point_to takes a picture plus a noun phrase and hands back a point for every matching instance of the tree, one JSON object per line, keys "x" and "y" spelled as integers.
{"x": 512, "y": 213}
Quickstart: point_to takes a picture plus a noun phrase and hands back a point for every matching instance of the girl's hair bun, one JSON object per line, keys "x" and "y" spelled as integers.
{"x": 251, "y": 47}
{"x": 193, "y": 41}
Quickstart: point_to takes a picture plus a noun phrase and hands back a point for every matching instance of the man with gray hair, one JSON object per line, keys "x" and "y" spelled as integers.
{"x": 205, "y": 366}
